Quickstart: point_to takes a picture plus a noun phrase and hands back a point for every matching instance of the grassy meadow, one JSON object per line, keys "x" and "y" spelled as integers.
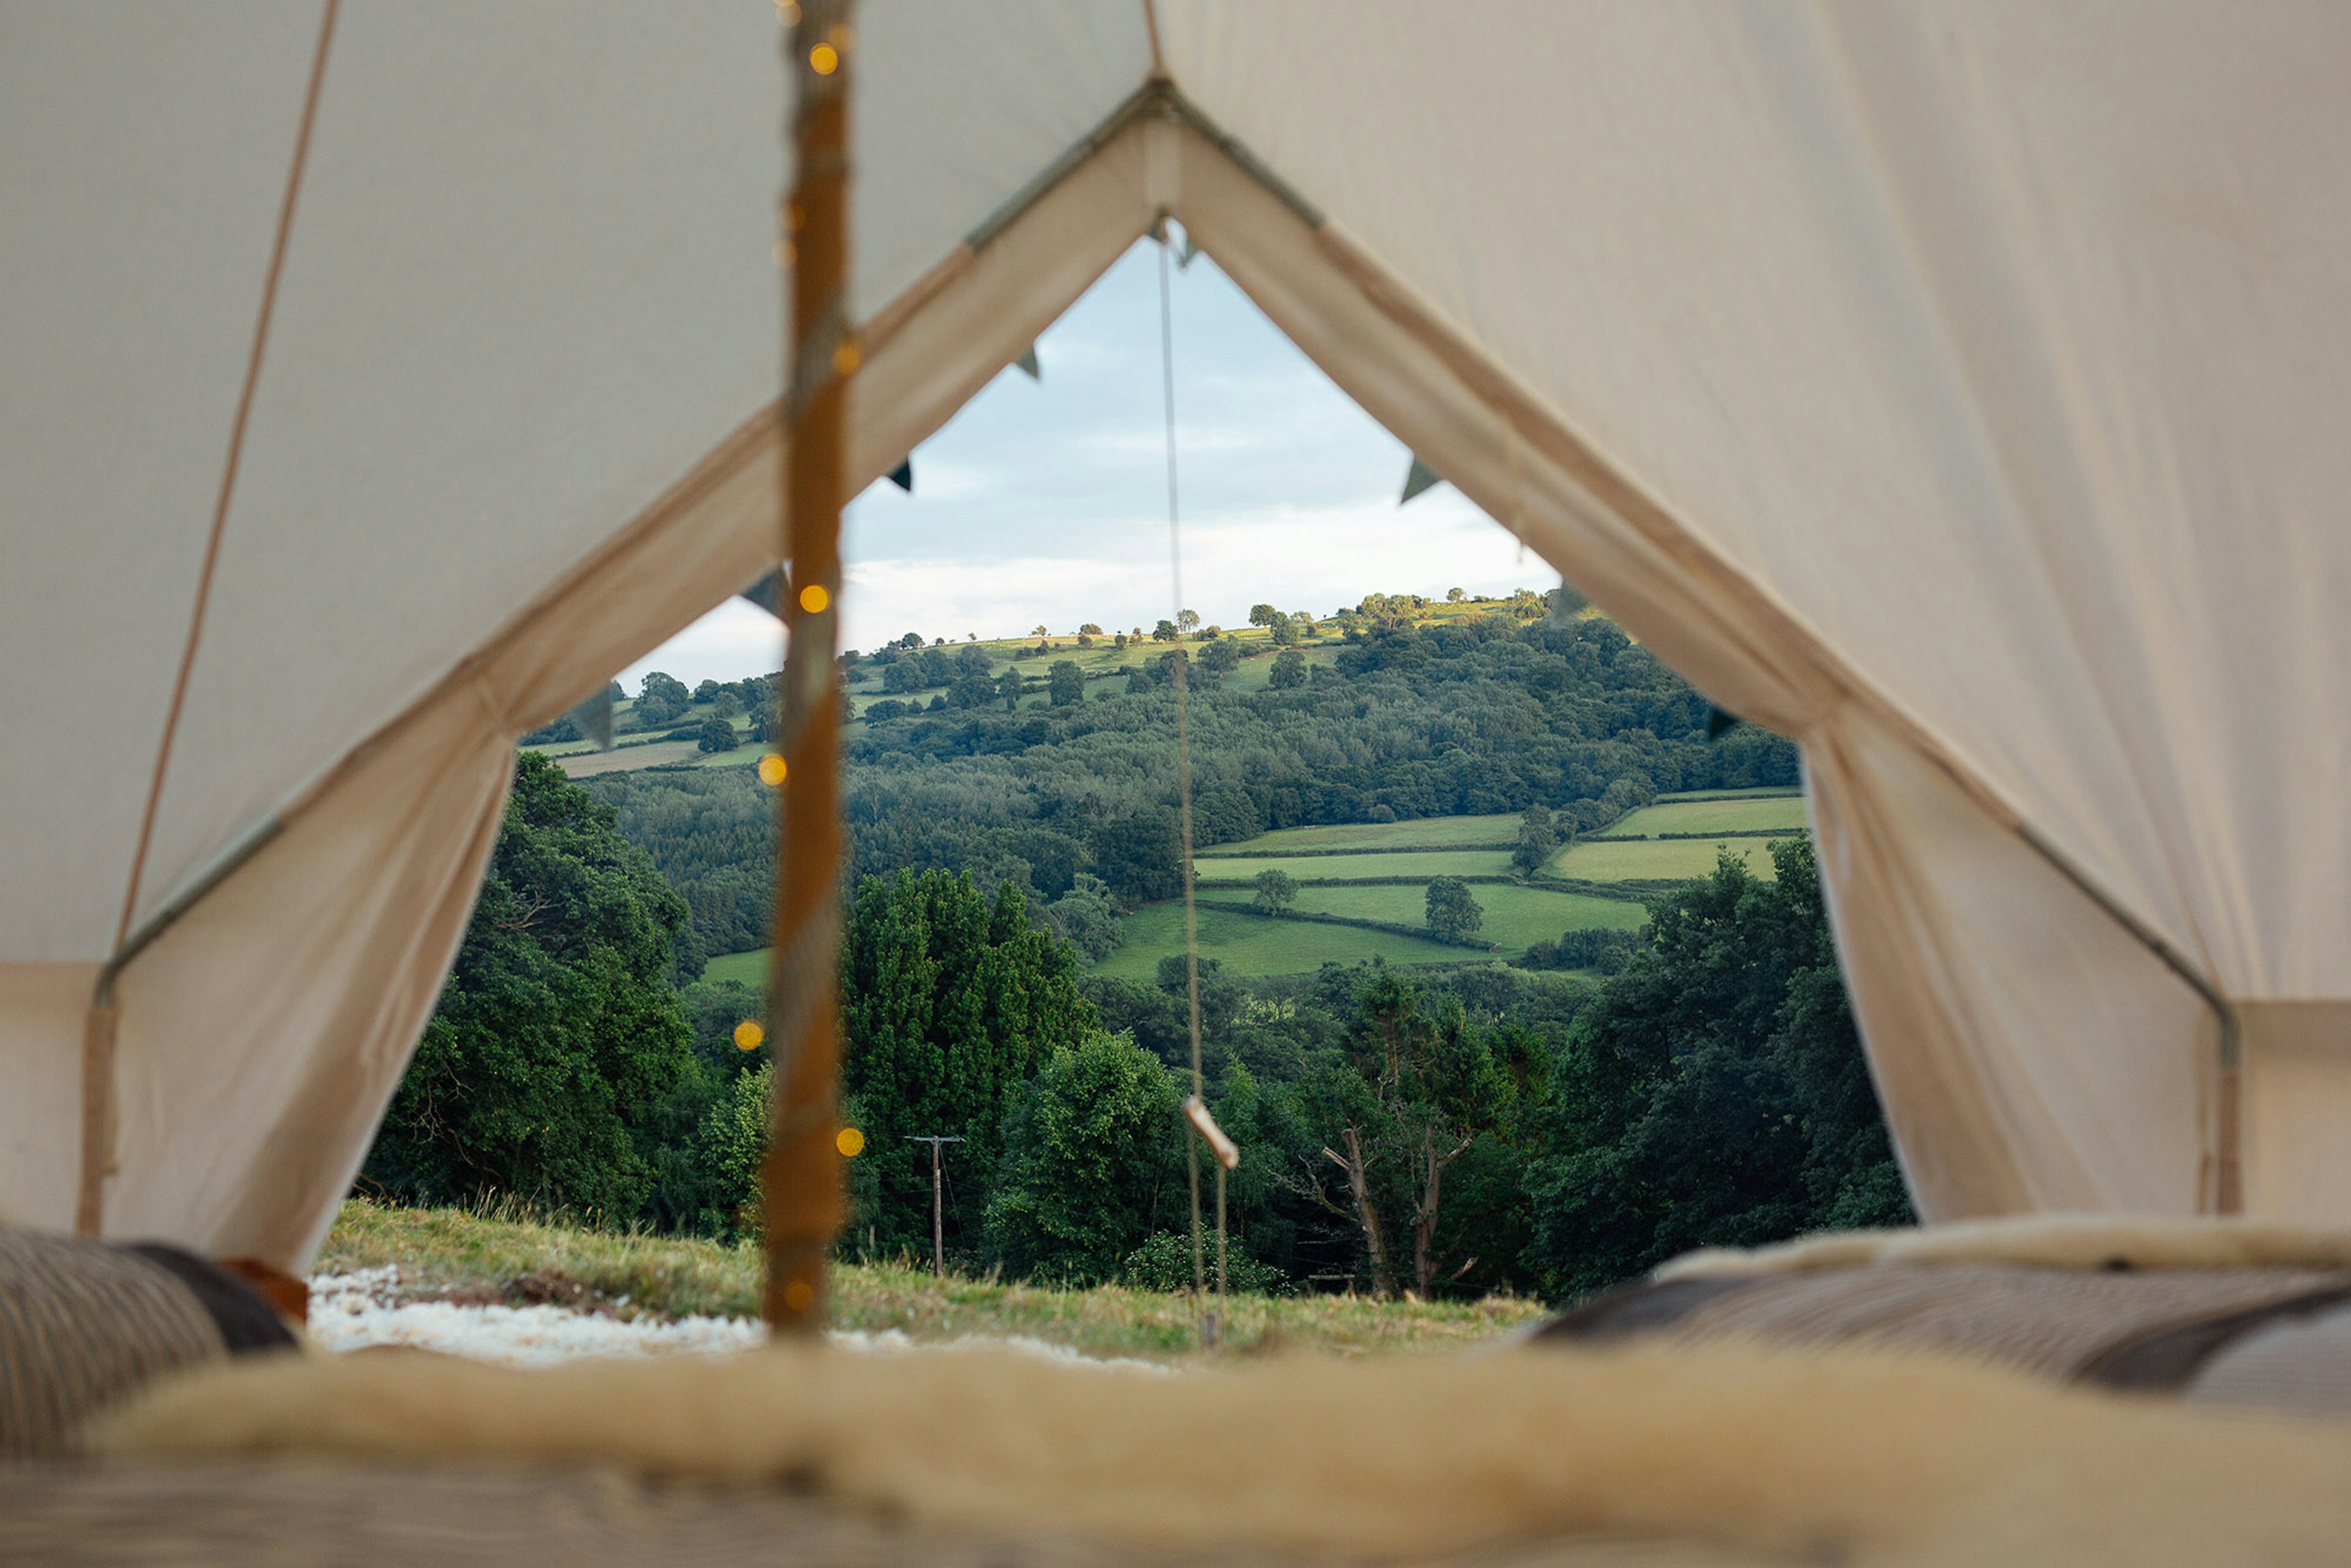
{"x": 1753, "y": 814}
{"x": 1656, "y": 860}
{"x": 1516, "y": 918}
{"x": 511, "y": 1257}
{"x": 1251, "y": 945}
{"x": 1432, "y": 833}
{"x": 1420, "y": 864}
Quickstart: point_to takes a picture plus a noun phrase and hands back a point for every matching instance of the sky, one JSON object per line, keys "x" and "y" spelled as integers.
{"x": 1045, "y": 502}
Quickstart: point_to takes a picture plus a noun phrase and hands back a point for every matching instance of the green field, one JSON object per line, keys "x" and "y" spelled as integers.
{"x": 1767, "y": 813}
{"x": 1421, "y": 863}
{"x": 745, "y": 968}
{"x": 1754, "y": 792}
{"x": 1516, "y": 918}
{"x": 1248, "y": 945}
{"x": 1431, "y": 832}
{"x": 1655, "y": 859}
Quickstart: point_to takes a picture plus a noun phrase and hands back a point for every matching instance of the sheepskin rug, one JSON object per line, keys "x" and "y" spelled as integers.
{"x": 1849, "y": 1456}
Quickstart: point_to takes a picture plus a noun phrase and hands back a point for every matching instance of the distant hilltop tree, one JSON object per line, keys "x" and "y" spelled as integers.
{"x": 717, "y": 734}
{"x": 1187, "y": 619}
{"x": 1090, "y": 629}
{"x": 1164, "y": 632}
{"x": 1454, "y": 596}
{"x": 1263, "y": 615}
{"x": 662, "y": 699}
{"x": 1038, "y": 631}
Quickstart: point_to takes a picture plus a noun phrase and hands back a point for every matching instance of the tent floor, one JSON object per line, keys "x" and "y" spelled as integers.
{"x": 288, "y": 1512}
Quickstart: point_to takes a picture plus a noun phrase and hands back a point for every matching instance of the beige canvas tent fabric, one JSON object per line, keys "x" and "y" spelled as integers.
{"x": 1952, "y": 388}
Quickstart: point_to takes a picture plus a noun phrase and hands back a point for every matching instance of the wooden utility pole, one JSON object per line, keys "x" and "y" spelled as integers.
{"x": 801, "y": 1185}
{"x": 939, "y": 1205}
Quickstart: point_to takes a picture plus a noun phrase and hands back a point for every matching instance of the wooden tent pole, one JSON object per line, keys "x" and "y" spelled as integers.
{"x": 801, "y": 1183}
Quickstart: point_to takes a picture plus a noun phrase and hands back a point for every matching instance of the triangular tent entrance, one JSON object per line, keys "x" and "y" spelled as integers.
{"x": 1956, "y": 390}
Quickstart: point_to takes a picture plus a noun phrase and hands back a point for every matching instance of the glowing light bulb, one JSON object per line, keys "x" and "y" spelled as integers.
{"x": 846, "y": 359}
{"x": 824, "y": 59}
{"x": 750, "y": 1036}
{"x": 813, "y": 599}
{"x": 850, "y": 1141}
{"x": 799, "y": 1294}
{"x": 771, "y": 771}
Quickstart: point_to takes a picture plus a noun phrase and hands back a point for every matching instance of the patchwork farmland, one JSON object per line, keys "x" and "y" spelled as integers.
{"x": 1363, "y": 887}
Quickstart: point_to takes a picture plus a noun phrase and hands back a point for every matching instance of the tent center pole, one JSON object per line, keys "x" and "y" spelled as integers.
{"x": 802, "y": 1181}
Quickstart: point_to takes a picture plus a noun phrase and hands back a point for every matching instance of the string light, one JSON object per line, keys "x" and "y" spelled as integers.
{"x": 750, "y": 1036}
{"x": 813, "y": 599}
{"x": 850, "y": 1141}
{"x": 846, "y": 359}
{"x": 771, "y": 771}
{"x": 799, "y": 1294}
{"x": 824, "y": 59}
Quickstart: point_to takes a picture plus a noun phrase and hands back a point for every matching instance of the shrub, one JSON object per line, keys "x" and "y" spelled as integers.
{"x": 1165, "y": 1263}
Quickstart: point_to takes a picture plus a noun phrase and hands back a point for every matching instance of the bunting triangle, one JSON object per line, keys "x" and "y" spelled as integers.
{"x": 1028, "y": 363}
{"x": 594, "y": 717}
{"x": 768, "y": 593}
{"x": 902, "y": 475}
{"x": 1420, "y": 476}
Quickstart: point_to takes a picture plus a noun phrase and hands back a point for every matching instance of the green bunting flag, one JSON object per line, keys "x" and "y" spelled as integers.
{"x": 1420, "y": 476}
{"x": 1028, "y": 363}
{"x": 594, "y": 717}
{"x": 768, "y": 593}
{"x": 902, "y": 475}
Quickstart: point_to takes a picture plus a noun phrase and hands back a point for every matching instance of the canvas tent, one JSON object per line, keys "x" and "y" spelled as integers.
{"x": 1955, "y": 389}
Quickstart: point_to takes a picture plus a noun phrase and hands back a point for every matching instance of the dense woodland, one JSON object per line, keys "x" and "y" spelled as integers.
{"x": 1484, "y": 715}
{"x": 1441, "y": 1130}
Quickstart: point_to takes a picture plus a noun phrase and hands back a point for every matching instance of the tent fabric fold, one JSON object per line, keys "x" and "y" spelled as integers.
{"x": 1954, "y": 391}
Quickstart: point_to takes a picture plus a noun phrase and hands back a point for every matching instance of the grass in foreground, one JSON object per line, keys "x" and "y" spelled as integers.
{"x": 501, "y": 1257}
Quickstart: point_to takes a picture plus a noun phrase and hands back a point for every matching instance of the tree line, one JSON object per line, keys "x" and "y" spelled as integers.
{"x": 1444, "y": 1131}
{"x": 1491, "y": 713}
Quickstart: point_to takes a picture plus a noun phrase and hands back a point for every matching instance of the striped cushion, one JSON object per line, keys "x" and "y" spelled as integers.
{"x": 83, "y": 1323}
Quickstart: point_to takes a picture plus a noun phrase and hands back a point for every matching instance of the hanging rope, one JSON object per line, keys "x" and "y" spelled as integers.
{"x": 1183, "y": 814}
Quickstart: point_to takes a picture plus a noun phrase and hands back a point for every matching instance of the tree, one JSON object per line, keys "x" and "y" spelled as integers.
{"x": 556, "y": 1036}
{"x": 1714, "y": 1092}
{"x": 1419, "y": 1090}
{"x": 662, "y": 699}
{"x": 1086, "y": 918}
{"x": 1453, "y": 913}
{"x": 724, "y": 703}
{"x": 1537, "y": 839}
{"x": 1275, "y": 890}
{"x": 1065, "y": 683}
{"x": 717, "y": 734}
{"x": 1092, "y": 1163}
{"x": 948, "y": 1002}
{"x": 1221, "y": 657}
{"x": 1288, "y": 670}
{"x": 1454, "y": 596}
{"x": 1011, "y": 686}
{"x": 1527, "y": 605}
{"x": 706, "y": 691}
{"x": 1284, "y": 631}
{"x": 1164, "y": 632}
{"x": 1264, "y": 615}
{"x": 1038, "y": 631}
{"x": 1187, "y": 619}
{"x": 1090, "y": 629}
